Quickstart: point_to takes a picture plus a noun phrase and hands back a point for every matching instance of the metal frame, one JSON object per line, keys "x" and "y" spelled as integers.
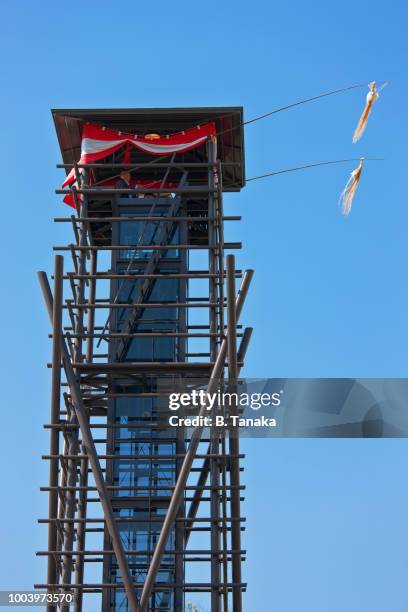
{"x": 82, "y": 433}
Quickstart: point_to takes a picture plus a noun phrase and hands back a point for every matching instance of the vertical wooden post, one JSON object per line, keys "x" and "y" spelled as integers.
{"x": 52, "y": 570}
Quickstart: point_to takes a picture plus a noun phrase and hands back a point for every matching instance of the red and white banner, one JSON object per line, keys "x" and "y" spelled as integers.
{"x": 99, "y": 142}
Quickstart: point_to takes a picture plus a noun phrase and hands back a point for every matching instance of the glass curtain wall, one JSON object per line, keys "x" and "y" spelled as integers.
{"x": 145, "y": 468}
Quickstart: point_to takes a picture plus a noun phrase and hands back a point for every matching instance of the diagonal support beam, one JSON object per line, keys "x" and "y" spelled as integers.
{"x": 178, "y": 492}
{"x": 52, "y": 570}
{"x": 89, "y": 445}
{"x": 233, "y": 438}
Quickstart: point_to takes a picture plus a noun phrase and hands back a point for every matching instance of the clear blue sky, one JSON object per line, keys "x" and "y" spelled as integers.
{"x": 326, "y": 519}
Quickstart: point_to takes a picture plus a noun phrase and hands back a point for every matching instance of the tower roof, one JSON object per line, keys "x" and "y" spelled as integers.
{"x": 228, "y": 122}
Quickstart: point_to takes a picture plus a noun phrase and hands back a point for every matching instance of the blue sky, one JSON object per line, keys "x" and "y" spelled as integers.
{"x": 327, "y": 518}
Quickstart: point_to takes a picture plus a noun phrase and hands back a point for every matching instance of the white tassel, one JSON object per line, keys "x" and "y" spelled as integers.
{"x": 372, "y": 97}
{"x": 348, "y": 193}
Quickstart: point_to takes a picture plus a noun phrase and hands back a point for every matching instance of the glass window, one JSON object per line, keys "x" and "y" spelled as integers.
{"x": 145, "y": 233}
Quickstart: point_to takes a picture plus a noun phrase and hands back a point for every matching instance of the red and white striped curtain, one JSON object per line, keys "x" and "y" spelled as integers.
{"x": 99, "y": 142}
